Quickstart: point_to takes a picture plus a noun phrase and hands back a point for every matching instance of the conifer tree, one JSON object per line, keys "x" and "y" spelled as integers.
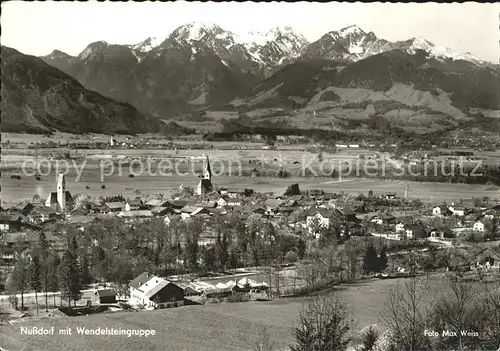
{"x": 370, "y": 261}
{"x": 19, "y": 278}
{"x": 70, "y": 274}
{"x": 383, "y": 260}
{"x": 43, "y": 250}
{"x": 35, "y": 278}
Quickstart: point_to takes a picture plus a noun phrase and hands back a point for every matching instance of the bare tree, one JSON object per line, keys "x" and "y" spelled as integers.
{"x": 407, "y": 315}
{"x": 265, "y": 343}
{"x": 458, "y": 313}
{"x": 323, "y": 325}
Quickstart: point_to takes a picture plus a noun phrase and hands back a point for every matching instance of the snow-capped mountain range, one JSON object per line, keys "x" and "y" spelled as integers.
{"x": 281, "y": 45}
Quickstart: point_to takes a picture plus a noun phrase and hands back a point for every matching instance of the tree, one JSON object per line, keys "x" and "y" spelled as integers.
{"x": 370, "y": 337}
{"x": 407, "y": 316}
{"x": 43, "y": 251}
{"x": 86, "y": 277}
{"x": 70, "y": 273}
{"x": 53, "y": 264}
{"x": 323, "y": 325}
{"x": 19, "y": 278}
{"x": 35, "y": 278}
{"x": 265, "y": 343}
{"x": 382, "y": 260}
{"x": 370, "y": 261}
{"x": 370, "y": 194}
{"x": 457, "y": 311}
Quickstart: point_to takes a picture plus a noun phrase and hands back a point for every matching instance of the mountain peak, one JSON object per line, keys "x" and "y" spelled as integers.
{"x": 352, "y": 29}
{"x": 92, "y": 49}
{"x": 147, "y": 44}
{"x": 58, "y": 54}
{"x": 195, "y": 31}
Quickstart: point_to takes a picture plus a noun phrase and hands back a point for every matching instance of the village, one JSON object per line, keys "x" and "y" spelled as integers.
{"x": 413, "y": 238}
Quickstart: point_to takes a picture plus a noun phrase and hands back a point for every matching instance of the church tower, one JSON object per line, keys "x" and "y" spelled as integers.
{"x": 61, "y": 192}
{"x": 205, "y": 184}
{"x": 207, "y": 174}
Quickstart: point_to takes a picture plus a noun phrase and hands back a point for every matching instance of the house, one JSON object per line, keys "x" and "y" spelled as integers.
{"x": 272, "y": 205}
{"x": 390, "y": 196}
{"x": 354, "y": 229}
{"x": 27, "y": 209}
{"x": 400, "y": 227}
{"x": 234, "y": 202}
{"x": 80, "y": 211}
{"x": 441, "y": 210}
{"x": 175, "y": 204}
{"x": 161, "y": 211}
{"x": 157, "y": 292}
{"x": 314, "y": 193}
{"x": 10, "y": 223}
{"x": 136, "y": 214}
{"x": 60, "y": 200}
{"x": 138, "y": 281}
{"x": 42, "y": 214}
{"x": 388, "y": 219}
{"x": 457, "y": 210}
{"x": 239, "y": 192}
{"x": 156, "y": 203}
{"x": 409, "y": 233}
{"x": 199, "y": 211}
{"x": 320, "y": 218}
{"x": 105, "y": 296}
{"x": 296, "y": 197}
{"x": 112, "y": 207}
{"x": 478, "y": 226}
{"x": 436, "y": 233}
{"x": 133, "y": 205}
{"x": 488, "y": 259}
{"x": 376, "y": 220}
{"x": 222, "y": 201}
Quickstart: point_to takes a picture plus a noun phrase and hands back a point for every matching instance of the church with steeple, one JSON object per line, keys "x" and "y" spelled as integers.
{"x": 205, "y": 184}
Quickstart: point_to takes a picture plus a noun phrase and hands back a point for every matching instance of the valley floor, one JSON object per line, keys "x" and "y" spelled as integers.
{"x": 227, "y": 326}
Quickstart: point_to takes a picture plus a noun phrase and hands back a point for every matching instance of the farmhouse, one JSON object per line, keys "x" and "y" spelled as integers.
{"x": 10, "y": 223}
{"x": 155, "y": 293}
{"x": 320, "y": 218}
{"x": 133, "y": 205}
{"x": 105, "y": 296}
{"x": 441, "y": 210}
{"x": 478, "y": 226}
{"x": 156, "y": 203}
{"x": 487, "y": 259}
{"x": 112, "y": 207}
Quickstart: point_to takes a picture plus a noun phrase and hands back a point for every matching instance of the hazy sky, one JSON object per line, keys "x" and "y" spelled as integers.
{"x": 37, "y": 28}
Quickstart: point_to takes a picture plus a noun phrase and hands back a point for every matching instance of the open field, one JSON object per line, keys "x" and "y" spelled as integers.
{"x": 227, "y": 326}
{"x": 226, "y": 165}
{"x": 25, "y": 188}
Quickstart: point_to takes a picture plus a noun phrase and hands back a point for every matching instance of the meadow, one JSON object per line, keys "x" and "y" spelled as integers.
{"x": 224, "y": 326}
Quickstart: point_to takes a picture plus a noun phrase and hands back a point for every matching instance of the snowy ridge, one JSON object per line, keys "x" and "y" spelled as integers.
{"x": 439, "y": 52}
{"x": 147, "y": 45}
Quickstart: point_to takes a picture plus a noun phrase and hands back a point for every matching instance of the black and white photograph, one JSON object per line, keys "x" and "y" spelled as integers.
{"x": 250, "y": 176}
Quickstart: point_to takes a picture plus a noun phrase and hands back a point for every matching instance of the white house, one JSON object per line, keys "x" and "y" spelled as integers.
{"x": 221, "y": 202}
{"x": 320, "y": 218}
{"x": 132, "y": 205}
{"x": 156, "y": 292}
{"x": 400, "y": 227}
{"x": 478, "y": 226}
{"x": 409, "y": 233}
{"x": 457, "y": 211}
